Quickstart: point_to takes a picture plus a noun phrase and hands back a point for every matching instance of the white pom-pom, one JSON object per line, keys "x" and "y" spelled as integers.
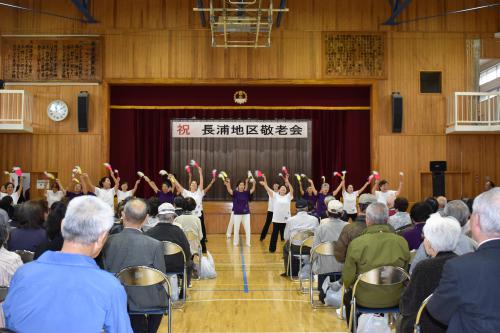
{"x": 303, "y": 175}
{"x": 344, "y": 172}
{"x": 6, "y": 173}
{"x": 140, "y": 174}
{"x": 163, "y": 172}
{"x": 401, "y": 173}
{"x": 249, "y": 174}
{"x": 280, "y": 174}
{"x": 116, "y": 170}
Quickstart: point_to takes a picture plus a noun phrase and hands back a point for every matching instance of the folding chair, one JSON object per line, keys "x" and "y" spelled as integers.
{"x": 143, "y": 276}
{"x": 300, "y": 236}
{"x": 307, "y": 242}
{"x": 324, "y": 249}
{"x": 420, "y": 312}
{"x": 380, "y": 276}
{"x": 26, "y": 256}
{"x": 170, "y": 248}
{"x": 192, "y": 237}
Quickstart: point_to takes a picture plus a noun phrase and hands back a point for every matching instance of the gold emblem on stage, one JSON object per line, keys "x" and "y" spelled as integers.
{"x": 240, "y": 97}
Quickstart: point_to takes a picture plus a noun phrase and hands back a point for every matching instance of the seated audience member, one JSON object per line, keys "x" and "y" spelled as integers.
{"x": 133, "y": 248}
{"x": 377, "y": 246}
{"x": 419, "y": 213}
{"x": 6, "y": 205}
{"x": 467, "y": 298}
{"x": 441, "y": 204}
{"x": 66, "y": 291}
{"x": 401, "y": 218}
{"x": 433, "y": 203}
{"x": 118, "y": 225}
{"x": 302, "y": 221}
{"x": 354, "y": 229}
{"x": 152, "y": 219}
{"x": 190, "y": 222}
{"x": 329, "y": 231}
{"x": 179, "y": 204}
{"x": 441, "y": 236}
{"x": 54, "y": 240}
{"x": 165, "y": 230}
{"x": 391, "y": 198}
{"x": 9, "y": 261}
{"x": 30, "y": 232}
{"x": 457, "y": 210}
{"x": 489, "y": 185}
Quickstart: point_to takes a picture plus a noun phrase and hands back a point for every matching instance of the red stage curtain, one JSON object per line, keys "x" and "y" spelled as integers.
{"x": 140, "y": 140}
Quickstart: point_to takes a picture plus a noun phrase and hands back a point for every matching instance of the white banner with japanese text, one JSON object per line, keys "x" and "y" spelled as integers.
{"x": 239, "y": 129}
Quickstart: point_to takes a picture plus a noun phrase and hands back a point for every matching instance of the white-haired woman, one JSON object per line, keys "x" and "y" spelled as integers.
{"x": 441, "y": 237}
{"x": 322, "y": 194}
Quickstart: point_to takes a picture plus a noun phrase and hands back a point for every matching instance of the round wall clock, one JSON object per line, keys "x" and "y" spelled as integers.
{"x": 57, "y": 110}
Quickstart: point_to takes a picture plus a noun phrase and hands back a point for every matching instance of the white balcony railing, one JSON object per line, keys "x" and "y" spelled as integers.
{"x": 473, "y": 112}
{"x": 16, "y": 107}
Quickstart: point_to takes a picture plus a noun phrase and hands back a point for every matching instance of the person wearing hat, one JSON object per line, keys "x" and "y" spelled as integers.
{"x": 300, "y": 222}
{"x": 329, "y": 231}
{"x": 354, "y": 229}
{"x": 164, "y": 231}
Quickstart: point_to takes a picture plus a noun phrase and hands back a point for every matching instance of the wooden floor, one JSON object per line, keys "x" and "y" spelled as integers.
{"x": 249, "y": 295}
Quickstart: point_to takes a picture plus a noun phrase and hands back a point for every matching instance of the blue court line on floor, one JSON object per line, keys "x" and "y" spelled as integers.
{"x": 243, "y": 268}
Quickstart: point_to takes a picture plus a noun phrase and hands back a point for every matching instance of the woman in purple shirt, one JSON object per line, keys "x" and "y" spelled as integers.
{"x": 167, "y": 191}
{"x": 322, "y": 194}
{"x": 310, "y": 194}
{"x": 241, "y": 209}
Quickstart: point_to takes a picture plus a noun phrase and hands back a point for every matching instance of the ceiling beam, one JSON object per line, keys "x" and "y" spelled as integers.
{"x": 83, "y": 7}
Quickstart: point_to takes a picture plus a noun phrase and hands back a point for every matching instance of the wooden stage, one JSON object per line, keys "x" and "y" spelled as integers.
{"x": 249, "y": 295}
{"x": 217, "y": 214}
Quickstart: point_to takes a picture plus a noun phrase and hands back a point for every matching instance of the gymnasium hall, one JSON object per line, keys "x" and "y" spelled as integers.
{"x": 249, "y": 166}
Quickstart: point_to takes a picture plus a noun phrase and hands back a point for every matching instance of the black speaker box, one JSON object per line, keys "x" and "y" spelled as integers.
{"x": 397, "y": 112}
{"x": 430, "y": 82}
{"x": 437, "y": 166}
{"x": 438, "y": 184}
{"x": 83, "y": 111}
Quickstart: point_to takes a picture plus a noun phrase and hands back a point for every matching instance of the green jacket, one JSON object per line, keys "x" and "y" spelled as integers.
{"x": 377, "y": 246}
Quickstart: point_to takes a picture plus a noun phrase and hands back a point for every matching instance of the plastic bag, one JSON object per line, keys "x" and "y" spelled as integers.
{"x": 333, "y": 292}
{"x": 207, "y": 267}
{"x": 373, "y": 323}
{"x": 305, "y": 270}
{"x": 174, "y": 283}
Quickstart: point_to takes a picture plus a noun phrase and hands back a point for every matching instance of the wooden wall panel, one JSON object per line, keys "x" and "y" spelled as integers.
{"x": 162, "y": 40}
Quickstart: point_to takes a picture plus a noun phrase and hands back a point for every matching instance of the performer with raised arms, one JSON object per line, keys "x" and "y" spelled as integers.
{"x": 241, "y": 208}
{"x": 381, "y": 188}
{"x": 104, "y": 192}
{"x": 281, "y": 209}
{"x": 349, "y": 197}
{"x": 322, "y": 194}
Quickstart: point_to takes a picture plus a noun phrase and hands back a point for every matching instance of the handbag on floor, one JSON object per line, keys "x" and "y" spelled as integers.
{"x": 207, "y": 267}
{"x": 333, "y": 292}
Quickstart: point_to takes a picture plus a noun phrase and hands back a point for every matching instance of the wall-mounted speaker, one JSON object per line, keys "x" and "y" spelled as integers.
{"x": 83, "y": 111}
{"x": 430, "y": 82}
{"x": 397, "y": 112}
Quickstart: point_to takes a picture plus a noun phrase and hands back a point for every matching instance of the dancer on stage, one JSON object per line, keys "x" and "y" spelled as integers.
{"x": 241, "y": 209}
{"x": 322, "y": 194}
{"x": 9, "y": 191}
{"x": 269, "y": 216}
{"x": 166, "y": 194}
{"x": 197, "y": 192}
{"x": 310, "y": 194}
{"x": 281, "y": 209}
{"x": 104, "y": 192}
{"x": 349, "y": 197}
{"x": 56, "y": 192}
{"x": 124, "y": 193}
{"x": 381, "y": 189}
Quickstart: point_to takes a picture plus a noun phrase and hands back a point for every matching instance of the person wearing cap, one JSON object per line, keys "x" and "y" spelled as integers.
{"x": 329, "y": 231}
{"x": 377, "y": 246}
{"x": 167, "y": 231}
{"x": 302, "y": 221}
{"x": 353, "y": 229}
{"x": 132, "y": 247}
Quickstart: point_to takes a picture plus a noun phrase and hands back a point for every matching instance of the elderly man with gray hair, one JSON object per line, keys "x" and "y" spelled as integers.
{"x": 66, "y": 291}
{"x": 468, "y": 298}
{"x": 458, "y": 211}
{"x": 133, "y": 248}
{"x": 377, "y": 246}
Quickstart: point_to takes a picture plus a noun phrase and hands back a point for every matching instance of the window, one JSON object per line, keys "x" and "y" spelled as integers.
{"x": 489, "y": 74}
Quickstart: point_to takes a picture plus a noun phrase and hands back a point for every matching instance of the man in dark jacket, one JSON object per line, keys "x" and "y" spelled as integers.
{"x": 165, "y": 230}
{"x": 132, "y": 248}
{"x": 468, "y": 298}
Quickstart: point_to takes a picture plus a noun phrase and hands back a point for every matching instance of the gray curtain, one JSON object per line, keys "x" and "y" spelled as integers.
{"x": 237, "y": 155}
